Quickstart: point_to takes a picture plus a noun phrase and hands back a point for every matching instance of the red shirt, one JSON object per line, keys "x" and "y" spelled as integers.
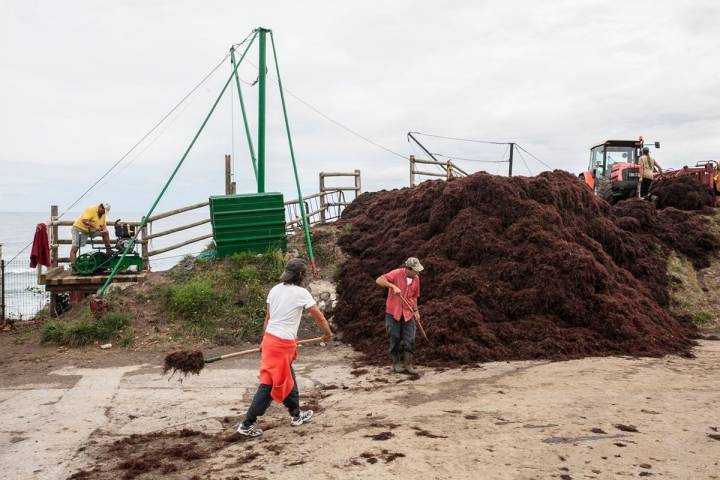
{"x": 394, "y": 305}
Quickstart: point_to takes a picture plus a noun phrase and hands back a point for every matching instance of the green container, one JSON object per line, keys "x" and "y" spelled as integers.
{"x": 253, "y": 222}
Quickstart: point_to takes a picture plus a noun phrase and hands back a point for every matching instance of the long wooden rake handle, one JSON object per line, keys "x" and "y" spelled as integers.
{"x": 255, "y": 350}
{"x": 417, "y": 319}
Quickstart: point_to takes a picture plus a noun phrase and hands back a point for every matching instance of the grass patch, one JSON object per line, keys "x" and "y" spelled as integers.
{"x": 85, "y": 330}
{"x": 224, "y": 300}
{"x": 196, "y": 302}
{"x": 701, "y": 318}
{"x": 127, "y": 339}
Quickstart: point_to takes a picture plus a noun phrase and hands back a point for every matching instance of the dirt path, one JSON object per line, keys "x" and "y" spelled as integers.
{"x": 503, "y": 420}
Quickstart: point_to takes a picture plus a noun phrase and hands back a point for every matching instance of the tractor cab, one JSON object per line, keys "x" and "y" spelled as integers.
{"x": 613, "y": 171}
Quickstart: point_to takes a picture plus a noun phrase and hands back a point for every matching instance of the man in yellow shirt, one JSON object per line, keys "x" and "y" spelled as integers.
{"x": 92, "y": 222}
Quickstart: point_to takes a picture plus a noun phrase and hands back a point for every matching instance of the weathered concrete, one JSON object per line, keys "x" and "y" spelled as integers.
{"x": 518, "y": 420}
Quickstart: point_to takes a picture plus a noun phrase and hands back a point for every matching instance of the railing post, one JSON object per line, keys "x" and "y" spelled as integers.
{"x": 357, "y": 183}
{"x": 54, "y": 229}
{"x": 2, "y": 286}
{"x": 412, "y": 170}
{"x": 144, "y": 248}
{"x": 510, "y": 161}
{"x": 322, "y": 197}
{"x": 228, "y": 175}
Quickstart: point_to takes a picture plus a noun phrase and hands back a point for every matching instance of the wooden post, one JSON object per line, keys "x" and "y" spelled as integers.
{"x": 322, "y": 197}
{"x": 54, "y": 236}
{"x": 412, "y": 170}
{"x": 228, "y": 175}
{"x": 357, "y": 183}
{"x": 54, "y": 250}
{"x": 2, "y": 288}
{"x": 145, "y": 247}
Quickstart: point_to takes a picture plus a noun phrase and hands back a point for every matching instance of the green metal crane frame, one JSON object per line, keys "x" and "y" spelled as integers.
{"x": 258, "y": 162}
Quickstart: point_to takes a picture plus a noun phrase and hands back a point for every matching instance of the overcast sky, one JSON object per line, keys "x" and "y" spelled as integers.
{"x": 82, "y": 82}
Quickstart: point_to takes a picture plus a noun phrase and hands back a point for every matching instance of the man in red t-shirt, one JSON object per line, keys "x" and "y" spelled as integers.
{"x": 402, "y": 283}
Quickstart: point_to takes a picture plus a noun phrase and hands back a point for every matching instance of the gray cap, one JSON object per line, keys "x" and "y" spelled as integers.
{"x": 293, "y": 269}
{"x": 414, "y": 264}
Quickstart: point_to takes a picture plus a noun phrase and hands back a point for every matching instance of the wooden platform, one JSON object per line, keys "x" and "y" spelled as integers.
{"x": 60, "y": 280}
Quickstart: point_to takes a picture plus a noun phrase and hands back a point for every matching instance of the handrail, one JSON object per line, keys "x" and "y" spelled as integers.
{"x": 322, "y": 207}
{"x": 170, "y": 213}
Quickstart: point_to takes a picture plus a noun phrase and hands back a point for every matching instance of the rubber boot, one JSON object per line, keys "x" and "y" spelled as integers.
{"x": 397, "y": 363}
{"x": 408, "y": 363}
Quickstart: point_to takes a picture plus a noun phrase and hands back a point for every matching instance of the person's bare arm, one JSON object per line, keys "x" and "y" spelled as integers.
{"x": 90, "y": 224}
{"x": 383, "y": 282}
{"x": 659, "y": 168}
{"x": 267, "y": 316}
{"x": 322, "y": 322}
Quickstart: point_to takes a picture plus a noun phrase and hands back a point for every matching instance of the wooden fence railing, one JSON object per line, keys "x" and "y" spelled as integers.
{"x": 447, "y": 171}
{"x": 322, "y": 207}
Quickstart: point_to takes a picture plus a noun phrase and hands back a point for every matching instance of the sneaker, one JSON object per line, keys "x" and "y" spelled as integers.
{"x": 301, "y": 418}
{"x": 250, "y": 431}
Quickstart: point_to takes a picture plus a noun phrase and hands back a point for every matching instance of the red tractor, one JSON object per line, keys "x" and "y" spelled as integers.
{"x": 613, "y": 169}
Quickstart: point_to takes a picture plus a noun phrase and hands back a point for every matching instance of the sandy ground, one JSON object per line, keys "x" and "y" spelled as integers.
{"x": 518, "y": 420}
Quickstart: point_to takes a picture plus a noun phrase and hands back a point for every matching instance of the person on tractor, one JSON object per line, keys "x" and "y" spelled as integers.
{"x": 90, "y": 223}
{"x": 648, "y": 166}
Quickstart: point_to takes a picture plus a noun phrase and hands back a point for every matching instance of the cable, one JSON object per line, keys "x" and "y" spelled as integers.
{"x": 451, "y": 157}
{"x": 522, "y": 157}
{"x": 142, "y": 139}
{"x": 172, "y": 110}
{"x": 533, "y": 156}
{"x": 460, "y": 139}
{"x": 326, "y": 117}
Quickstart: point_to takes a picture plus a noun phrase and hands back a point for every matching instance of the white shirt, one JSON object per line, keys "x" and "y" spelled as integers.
{"x": 286, "y": 304}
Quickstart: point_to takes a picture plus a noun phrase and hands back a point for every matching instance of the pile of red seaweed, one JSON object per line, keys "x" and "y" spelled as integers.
{"x": 684, "y": 193}
{"x": 519, "y": 268}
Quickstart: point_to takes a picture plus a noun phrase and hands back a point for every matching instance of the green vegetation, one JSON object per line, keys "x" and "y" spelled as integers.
{"x": 225, "y": 299}
{"x": 701, "y": 318}
{"x": 127, "y": 338}
{"x": 196, "y": 301}
{"x": 84, "y": 330}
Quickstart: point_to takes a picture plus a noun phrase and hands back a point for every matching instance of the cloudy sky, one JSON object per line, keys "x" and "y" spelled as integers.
{"x": 82, "y": 82}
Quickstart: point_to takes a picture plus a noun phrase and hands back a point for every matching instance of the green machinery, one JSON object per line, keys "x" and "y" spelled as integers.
{"x": 100, "y": 261}
{"x": 246, "y": 241}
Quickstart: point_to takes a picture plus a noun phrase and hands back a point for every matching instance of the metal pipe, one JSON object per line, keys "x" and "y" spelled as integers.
{"x": 244, "y": 115}
{"x": 424, "y": 149}
{"x": 262, "y": 71}
{"x": 131, "y": 244}
{"x": 306, "y": 227}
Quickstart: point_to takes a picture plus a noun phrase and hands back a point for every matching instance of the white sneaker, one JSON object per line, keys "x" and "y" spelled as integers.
{"x": 301, "y": 418}
{"x": 251, "y": 431}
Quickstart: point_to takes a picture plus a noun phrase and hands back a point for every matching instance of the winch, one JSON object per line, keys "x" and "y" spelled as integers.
{"x": 100, "y": 261}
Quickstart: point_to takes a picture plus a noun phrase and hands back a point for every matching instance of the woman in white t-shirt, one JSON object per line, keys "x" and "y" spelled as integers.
{"x": 285, "y": 304}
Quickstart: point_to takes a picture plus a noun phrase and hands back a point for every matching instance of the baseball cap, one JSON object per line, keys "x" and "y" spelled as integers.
{"x": 414, "y": 264}
{"x": 293, "y": 268}
{"x": 106, "y": 206}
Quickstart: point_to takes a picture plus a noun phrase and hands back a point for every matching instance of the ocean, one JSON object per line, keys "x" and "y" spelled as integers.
{"x": 24, "y": 297}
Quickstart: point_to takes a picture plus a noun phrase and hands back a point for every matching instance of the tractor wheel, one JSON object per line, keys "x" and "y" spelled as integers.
{"x": 86, "y": 264}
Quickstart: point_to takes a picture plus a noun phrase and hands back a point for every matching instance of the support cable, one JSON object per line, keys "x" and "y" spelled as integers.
{"x": 533, "y": 156}
{"x": 459, "y": 139}
{"x": 136, "y": 145}
{"x": 131, "y": 244}
{"x": 337, "y": 123}
{"x": 306, "y": 227}
{"x": 522, "y": 157}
